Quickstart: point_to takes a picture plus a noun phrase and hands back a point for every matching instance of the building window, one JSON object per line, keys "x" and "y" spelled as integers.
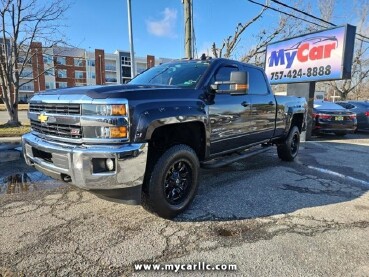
{"x": 28, "y": 87}
{"x": 111, "y": 80}
{"x": 26, "y": 74}
{"x": 61, "y": 60}
{"x": 47, "y": 59}
{"x": 49, "y": 85}
{"x": 49, "y": 72}
{"x": 78, "y": 74}
{"x": 126, "y": 60}
{"x": 140, "y": 67}
{"x": 62, "y": 73}
{"x": 91, "y": 62}
{"x": 22, "y": 60}
{"x": 126, "y": 71}
{"x": 110, "y": 67}
{"x": 78, "y": 62}
{"x": 62, "y": 84}
{"x": 92, "y": 75}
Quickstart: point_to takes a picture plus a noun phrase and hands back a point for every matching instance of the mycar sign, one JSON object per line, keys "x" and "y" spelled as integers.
{"x": 319, "y": 56}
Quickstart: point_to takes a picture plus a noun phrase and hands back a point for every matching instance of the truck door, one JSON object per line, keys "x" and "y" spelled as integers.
{"x": 263, "y": 113}
{"x": 229, "y": 116}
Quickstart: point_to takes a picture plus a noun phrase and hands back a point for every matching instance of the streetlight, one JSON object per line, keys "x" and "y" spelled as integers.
{"x": 130, "y": 33}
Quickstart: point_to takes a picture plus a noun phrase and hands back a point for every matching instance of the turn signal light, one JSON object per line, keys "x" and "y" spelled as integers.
{"x": 367, "y": 113}
{"x": 118, "y": 132}
{"x": 119, "y": 110}
{"x": 241, "y": 87}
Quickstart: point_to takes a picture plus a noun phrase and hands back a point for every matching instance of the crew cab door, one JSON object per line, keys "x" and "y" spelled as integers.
{"x": 229, "y": 115}
{"x": 263, "y": 111}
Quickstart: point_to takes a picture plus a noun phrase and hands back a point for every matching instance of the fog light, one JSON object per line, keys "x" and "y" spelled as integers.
{"x": 109, "y": 164}
{"x": 118, "y": 132}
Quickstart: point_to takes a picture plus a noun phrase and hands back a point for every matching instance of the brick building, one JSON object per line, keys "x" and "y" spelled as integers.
{"x": 61, "y": 67}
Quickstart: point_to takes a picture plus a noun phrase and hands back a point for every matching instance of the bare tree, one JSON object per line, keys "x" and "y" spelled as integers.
{"x": 360, "y": 64}
{"x": 230, "y": 43}
{"x": 359, "y": 73}
{"x": 285, "y": 26}
{"x": 23, "y": 23}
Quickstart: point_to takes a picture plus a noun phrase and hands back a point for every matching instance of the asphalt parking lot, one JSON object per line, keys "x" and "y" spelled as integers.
{"x": 268, "y": 217}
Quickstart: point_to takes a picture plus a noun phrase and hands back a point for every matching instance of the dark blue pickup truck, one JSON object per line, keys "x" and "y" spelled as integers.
{"x": 155, "y": 132}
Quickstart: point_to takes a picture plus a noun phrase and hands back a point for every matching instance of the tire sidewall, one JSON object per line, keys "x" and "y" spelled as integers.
{"x": 156, "y": 185}
{"x": 294, "y": 131}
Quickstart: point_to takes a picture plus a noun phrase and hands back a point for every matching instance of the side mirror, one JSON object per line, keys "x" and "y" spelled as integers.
{"x": 238, "y": 83}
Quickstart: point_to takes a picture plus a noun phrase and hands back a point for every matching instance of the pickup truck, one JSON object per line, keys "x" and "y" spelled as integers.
{"x": 155, "y": 132}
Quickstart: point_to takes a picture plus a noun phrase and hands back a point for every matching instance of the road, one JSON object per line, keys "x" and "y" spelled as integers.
{"x": 4, "y": 117}
{"x": 270, "y": 218}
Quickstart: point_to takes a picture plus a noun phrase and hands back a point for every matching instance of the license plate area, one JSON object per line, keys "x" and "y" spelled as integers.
{"x": 338, "y": 118}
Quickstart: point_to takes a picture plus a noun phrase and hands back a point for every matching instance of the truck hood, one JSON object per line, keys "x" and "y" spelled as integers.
{"x": 130, "y": 92}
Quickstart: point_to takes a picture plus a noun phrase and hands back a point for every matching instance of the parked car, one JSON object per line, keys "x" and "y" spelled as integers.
{"x": 329, "y": 117}
{"x": 361, "y": 108}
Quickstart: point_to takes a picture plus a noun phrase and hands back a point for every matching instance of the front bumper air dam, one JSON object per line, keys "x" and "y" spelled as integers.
{"x": 74, "y": 163}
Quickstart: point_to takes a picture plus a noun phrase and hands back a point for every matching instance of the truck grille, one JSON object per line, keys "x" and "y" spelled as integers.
{"x": 68, "y": 109}
{"x": 58, "y": 130}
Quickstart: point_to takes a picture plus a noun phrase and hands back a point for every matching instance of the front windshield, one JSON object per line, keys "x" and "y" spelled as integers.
{"x": 182, "y": 74}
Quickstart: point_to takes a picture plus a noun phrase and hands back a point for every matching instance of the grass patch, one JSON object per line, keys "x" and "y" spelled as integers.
{"x": 7, "y": 131}
{"x": 21, "y": 107}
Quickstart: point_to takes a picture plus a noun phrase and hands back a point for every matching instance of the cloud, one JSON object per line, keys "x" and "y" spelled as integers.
{"x": 164, "y": 27}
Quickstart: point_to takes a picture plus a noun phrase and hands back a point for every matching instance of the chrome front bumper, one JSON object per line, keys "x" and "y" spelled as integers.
{"x": 75, "y": 163}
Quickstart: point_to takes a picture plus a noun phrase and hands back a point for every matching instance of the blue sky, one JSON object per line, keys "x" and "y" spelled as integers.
{"x": 158, "y": 25}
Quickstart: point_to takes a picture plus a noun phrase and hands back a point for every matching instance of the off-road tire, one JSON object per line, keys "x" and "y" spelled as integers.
{"x": 178, "y": 167}
{"x": 288, "y": 149}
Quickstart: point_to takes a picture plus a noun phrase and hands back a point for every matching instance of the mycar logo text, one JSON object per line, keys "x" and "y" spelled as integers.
{"x": 311, "y": 49}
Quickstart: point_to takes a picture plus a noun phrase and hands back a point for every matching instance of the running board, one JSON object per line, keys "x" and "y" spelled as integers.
{"x": 219, "y": 162}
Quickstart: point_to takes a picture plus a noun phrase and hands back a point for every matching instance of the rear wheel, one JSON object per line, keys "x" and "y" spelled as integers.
{"x": 287, "y": 151}
{"x": 173, "y": 182}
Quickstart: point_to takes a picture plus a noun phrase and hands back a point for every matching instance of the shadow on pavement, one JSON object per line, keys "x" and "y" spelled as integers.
{"x": 265, "y": 186}
{"x": 257, "y": 187}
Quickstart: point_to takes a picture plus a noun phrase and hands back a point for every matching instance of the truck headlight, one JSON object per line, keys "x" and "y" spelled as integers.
{"x": 104, "y": 110}
{"x": 111, "y": 132}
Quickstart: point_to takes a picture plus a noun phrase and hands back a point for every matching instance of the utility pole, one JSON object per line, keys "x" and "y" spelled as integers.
{"x": 188, "y": 18}
{"x": 130, "y": 32}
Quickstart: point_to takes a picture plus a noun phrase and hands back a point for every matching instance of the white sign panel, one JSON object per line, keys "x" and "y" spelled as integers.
{"x": 314, "y": 57}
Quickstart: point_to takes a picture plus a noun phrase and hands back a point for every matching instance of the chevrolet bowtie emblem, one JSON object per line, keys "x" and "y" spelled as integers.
{"x": 43, "y": 118}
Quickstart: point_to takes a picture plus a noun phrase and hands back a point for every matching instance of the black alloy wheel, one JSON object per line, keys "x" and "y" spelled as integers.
{"x": 288, "y": 149}
{"x": 178, "y": 182}
{"x": 172, "y": 183}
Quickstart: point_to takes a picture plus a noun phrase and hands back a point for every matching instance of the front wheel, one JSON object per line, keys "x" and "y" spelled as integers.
{"x": 172, "y": 183}
{"x": 288, "y": 149}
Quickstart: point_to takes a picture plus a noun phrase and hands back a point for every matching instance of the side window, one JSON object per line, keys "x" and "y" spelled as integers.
{"x": 224, "y": 74}
{"x": 257, "y": 81}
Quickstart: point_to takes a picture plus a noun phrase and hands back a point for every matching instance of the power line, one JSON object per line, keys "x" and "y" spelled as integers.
{"x": 315, "y": 17}
{"x": 285, "y": 13}
{"x": 303, "y": 12}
